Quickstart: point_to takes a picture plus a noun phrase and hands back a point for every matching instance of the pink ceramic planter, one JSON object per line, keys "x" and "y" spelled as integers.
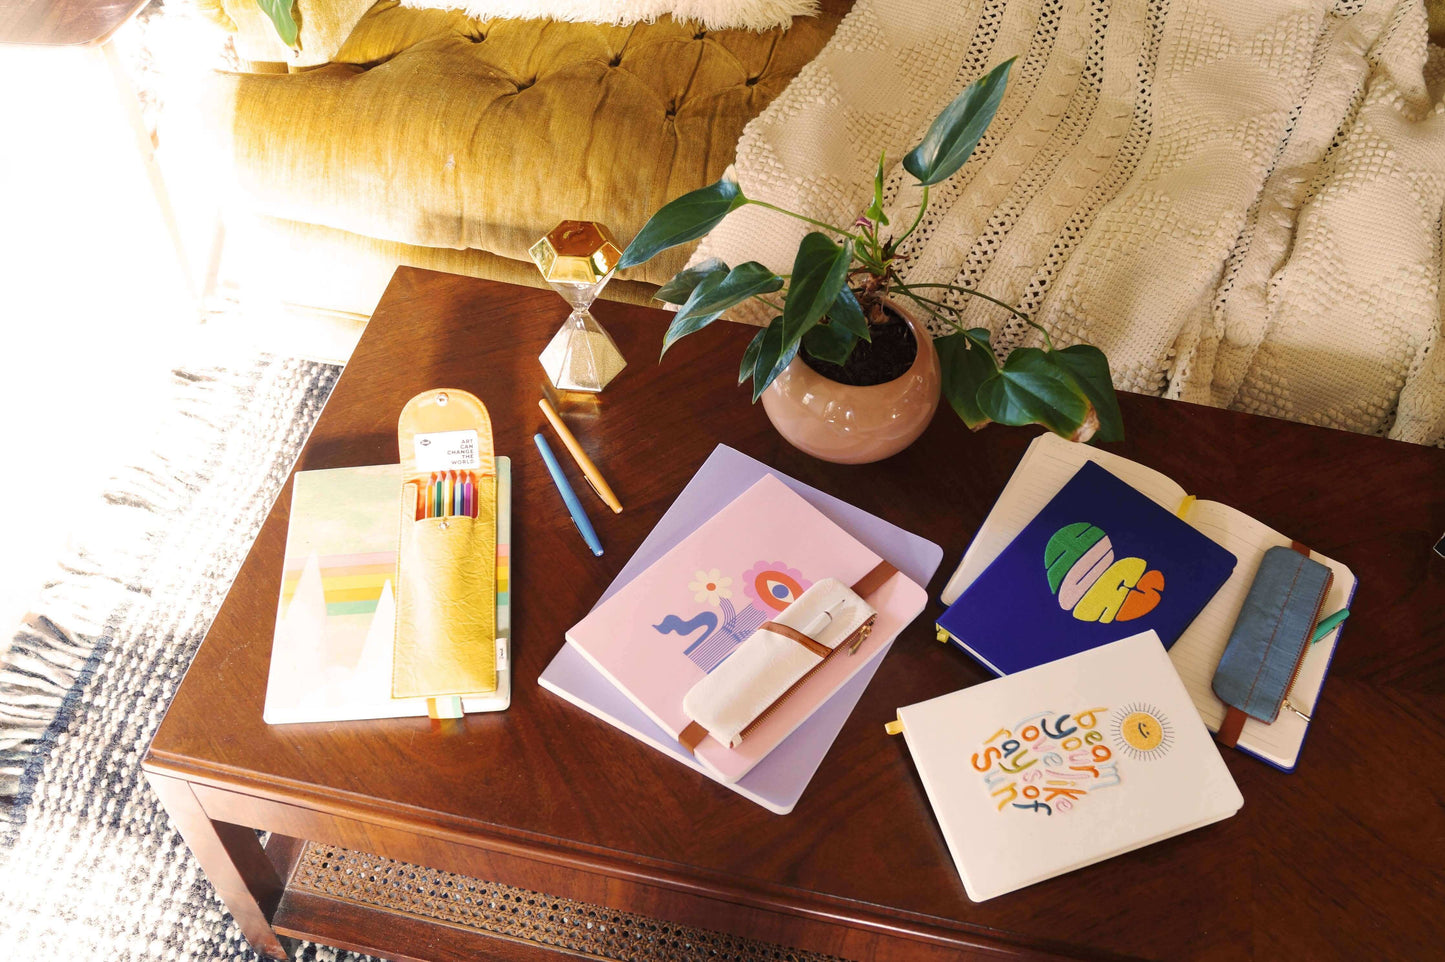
{"x": 856, "y": 425}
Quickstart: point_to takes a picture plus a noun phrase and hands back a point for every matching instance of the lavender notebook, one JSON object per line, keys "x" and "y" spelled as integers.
{"x": 778, "y": 781}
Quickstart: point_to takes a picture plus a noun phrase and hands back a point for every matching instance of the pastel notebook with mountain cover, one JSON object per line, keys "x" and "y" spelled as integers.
{"x": 1051, "y": 769}
{"x": 1098, "y": 561}
{"x": 331, "y": 656}
{"x": 681, "y": 617}
{"x": 1048, "y": 465}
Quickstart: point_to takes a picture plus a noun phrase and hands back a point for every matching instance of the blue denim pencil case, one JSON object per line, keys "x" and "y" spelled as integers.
{"x": 1270, "y": 638}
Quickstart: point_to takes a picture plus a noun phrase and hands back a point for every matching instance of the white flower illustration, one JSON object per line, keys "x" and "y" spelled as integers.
{"x": 710, "y": 586}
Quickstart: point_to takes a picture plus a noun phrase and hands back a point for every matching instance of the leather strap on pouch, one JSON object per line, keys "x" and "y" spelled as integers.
{"x": 1234, "y": 720}
{"x": 874, "y": 579}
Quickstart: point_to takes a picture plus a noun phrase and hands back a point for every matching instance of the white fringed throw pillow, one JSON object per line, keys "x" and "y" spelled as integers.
{"x": 712, "y": 14}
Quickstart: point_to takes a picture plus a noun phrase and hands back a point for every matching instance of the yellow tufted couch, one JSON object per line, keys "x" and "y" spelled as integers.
{"x": 398, "y": 135}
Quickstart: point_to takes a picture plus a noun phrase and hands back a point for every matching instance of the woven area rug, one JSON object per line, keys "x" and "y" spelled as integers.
{"x": 90, "y": 867}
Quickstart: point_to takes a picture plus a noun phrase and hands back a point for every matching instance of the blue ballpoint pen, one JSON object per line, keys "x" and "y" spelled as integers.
{"x": 574, "y": 506}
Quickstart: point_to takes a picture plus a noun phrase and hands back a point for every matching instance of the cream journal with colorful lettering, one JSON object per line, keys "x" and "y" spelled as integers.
{"x": 1050, "y": 769}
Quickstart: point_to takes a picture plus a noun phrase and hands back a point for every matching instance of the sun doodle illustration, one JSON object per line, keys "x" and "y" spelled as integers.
{"x": 1142, "y": 731}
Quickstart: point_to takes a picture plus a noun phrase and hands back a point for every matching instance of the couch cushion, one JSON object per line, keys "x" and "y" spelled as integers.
{"x": 439, "y": 131}
{"x": 713, "y": 14}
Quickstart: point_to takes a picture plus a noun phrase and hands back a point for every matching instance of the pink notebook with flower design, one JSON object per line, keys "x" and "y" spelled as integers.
{"x": 678, "y": 620}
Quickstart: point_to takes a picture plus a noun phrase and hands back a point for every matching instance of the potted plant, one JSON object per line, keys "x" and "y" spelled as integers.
{"x": 849, "y": 319}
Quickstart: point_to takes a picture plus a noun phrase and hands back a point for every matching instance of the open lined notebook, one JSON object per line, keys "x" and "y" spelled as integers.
{"x": 1051, "y": 461}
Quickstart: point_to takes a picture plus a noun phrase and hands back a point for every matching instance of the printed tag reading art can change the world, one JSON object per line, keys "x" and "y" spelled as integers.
{"x": 447, "y": 451}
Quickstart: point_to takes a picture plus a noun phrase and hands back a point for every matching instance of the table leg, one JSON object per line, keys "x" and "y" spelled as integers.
{"x": 233, "y": 860}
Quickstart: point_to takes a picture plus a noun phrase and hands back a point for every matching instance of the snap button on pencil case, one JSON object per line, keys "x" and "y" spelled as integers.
{"x": 446, "y": 549}
{"x": 1270, "y": 638}
{"x": 759, "y": 675}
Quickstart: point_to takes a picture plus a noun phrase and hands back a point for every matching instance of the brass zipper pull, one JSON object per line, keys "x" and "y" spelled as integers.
{"x": 861, "y": 635}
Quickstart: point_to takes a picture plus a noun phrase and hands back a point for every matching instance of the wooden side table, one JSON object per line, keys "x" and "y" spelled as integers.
{"x": 1338, "y": 860}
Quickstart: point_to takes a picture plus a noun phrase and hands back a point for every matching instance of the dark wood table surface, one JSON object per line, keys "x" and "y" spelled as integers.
{"x": 1341, "y": 859}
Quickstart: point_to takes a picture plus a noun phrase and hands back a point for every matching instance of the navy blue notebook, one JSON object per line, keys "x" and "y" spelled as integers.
{"x": 1100, "y": 562}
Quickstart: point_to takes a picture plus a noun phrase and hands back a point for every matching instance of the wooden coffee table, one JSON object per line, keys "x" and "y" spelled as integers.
{"x": 1342, "y": 859}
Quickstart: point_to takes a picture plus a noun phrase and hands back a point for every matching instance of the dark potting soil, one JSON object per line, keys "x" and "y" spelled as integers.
{"x": 886, "y": 358}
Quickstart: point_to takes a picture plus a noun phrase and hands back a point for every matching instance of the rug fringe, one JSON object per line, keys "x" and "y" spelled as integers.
{"x": 95, "y": 585}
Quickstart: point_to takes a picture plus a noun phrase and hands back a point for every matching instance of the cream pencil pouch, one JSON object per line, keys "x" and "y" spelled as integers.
{"x": 827, "y": 618}
{"x": 446, "y": 565}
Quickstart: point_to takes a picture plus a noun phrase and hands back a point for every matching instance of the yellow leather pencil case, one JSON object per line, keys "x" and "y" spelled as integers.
{"x": 446, "y": 566}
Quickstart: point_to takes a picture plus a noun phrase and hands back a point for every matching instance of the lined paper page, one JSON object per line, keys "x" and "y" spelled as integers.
{"x": 1198, "y": 650}
{"x": 1045, "y": 468}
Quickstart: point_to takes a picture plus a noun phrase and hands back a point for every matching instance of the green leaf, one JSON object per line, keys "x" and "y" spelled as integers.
{"x": 1032, "y": 388}
{"x": 716, "y": 293}
{"x": 819, "y": 271}
{"x": 750, "y": 356}
{"x": 681, "y": 220}
{"x": 967, "y": 361}
{"x": 875, "y": 210}
{"x": 957, "y": 130}
{"x": 775, "y": 352}
{"x": 280, "y": 13}
{"x": 680, "y": 288}
{"x": 830, "y": 342}
{"x": 847, "y": 312}
{"x": 1090, "y": 368}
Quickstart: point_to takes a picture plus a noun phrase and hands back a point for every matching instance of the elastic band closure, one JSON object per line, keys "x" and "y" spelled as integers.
{"x": 1233, "y": 724}
{"x": 692, "y": 736}
{"x": 874, "y": 579}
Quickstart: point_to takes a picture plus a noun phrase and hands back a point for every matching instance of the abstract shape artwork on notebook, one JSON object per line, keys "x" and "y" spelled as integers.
{"x": 1091, "y": 585}
{"x": 770, "y": 585}
{"x": 1099, "y": 552}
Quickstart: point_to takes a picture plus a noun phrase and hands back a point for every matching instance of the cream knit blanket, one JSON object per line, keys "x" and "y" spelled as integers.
{"x": 1240, "y": 201}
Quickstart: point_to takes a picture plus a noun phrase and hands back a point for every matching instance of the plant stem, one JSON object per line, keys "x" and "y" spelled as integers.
{"x": 816, "y": 223}
{"x": 922, "y": 206}
{"x": 923, "y": 302}
{"x": 953, "y": 322}
{"x": 759, "y": 297}
{"x": 992, "y": 300}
